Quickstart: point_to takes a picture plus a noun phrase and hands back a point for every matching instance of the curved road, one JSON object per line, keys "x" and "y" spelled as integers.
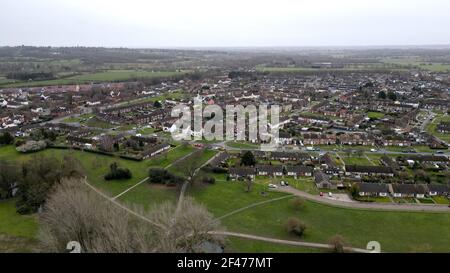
{"x": 362, "y": 205}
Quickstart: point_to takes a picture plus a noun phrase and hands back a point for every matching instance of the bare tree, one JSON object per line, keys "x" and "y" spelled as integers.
{"x": 73, "y": 212}
{"x": 337, "y": 243}
{"x": 187, "y": 228}
{"x": 298, "y": 203}
{"x": 248, "y": 184}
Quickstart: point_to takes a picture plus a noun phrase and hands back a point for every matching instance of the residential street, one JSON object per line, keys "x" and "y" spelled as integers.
{"x": 370, "y": 206}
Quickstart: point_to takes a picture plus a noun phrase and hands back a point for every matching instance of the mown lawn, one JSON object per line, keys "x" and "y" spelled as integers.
{"x": 375, "y": 115}
{"x": 97, "y": 123}
{"x": 96, "y": 166}
{"x": 242, "y": 145}
{"x": 356, "y": 161}
{"x": 227, "y": 196}
{"x": 426, "y": 149}
{"x": 431, "y": 127}
{"x": 196, "y": 159}
{"x": 441, "y": 200}
{"x": 17, "y": 232}
{"x": 396, "y": 231}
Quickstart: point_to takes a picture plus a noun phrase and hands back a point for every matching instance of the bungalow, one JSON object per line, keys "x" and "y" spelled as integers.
{"x": 421, "y": 190}
{"x": 270, "y": 170}
{"x": 372, "y": 189}
{"x": 298, "y": 170}
{"x": 237, "y": 173}
{"x": 322, "y": 181}
{"x": 368, "y": 170}
{"x": 284, "y": 138}
{"x": 355, "y": 139}
{"x": 319, "y": 139}
{"x": 154, "y": 150}
{"x": 432, "y": 159}
{"x": 438, "y": 189}
{"x": 285, "y": 156}
{"x": 409, "y": 190}
{"x": 444, "y": 127}
{"x": 389, "y": 162}
{"x": 260, "y": 154}
{"x": 329, "y": 165}
{"x": 220, "y": 159}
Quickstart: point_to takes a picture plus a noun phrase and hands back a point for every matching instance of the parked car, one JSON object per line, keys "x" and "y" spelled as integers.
{"x": 330, "y": 194}
{"x": 272, "y": 186}
{"x": 321, "y": 194}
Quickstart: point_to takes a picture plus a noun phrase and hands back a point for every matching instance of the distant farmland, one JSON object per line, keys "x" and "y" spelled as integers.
{"x": 105, "y": 76}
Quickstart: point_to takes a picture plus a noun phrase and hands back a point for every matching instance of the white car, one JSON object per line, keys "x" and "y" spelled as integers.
{"x": 330, "y": 194}
{"x": 272, "y": 186}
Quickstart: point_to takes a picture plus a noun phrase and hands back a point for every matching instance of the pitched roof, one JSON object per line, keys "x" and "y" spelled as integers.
{"x": 372, "y": 187}
{"x": 430, "y": 158}
{"x": 367, "y": 169}
{"x": 269, "y": 168}
{"x": 409, "y": 188}
{"x": 439, "y": 188}
{"x": 242, "y": 171}
{"x": 299, "y": 169}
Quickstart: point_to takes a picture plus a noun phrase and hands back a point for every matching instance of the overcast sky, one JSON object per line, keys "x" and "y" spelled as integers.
{"x": 192, "y": 23}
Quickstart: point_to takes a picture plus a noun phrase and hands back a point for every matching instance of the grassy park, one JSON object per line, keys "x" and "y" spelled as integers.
{"x": 393, "y": 230}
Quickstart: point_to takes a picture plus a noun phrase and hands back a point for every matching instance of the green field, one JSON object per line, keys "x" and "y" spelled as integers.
{"x": 393, "y": 230}
{"x": 105, "y": 76}
{"x": 417, "y": 63}
{"x": 375, "y": 115}
{"x": 349, "y": 68}
{"x": 17, "y": 232}
{"x": 396, "y": 231}
{"x": 97, "y": 123}
{"x": 356, "y": 160}
{"x": 196, "y": 159}
{"x": 431, "y": 127}
{"x": 4, "y": 80}
{"x": 96, "y": 166}
{"x": 79, "y": 118}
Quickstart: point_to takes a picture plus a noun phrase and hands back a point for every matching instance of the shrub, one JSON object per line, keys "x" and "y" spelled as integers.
{"x": 19, "y": 142}
{"x": 162, "y": 176}
{"x": 208, "y": 180}
{"x": 117, "y": 173}
{"x": 297, "y": 203}
{"x": 6, "y": 138}
{"x": 248, "y": 159}
{"x": 337, "y": 243}
{"x": 219, "y": 170}
{"x": 295, "y": 226}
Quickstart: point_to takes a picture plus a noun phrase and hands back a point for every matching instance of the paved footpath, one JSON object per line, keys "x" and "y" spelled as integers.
{"x": 369, "y": 206}
{"x": 285, "y": 242}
